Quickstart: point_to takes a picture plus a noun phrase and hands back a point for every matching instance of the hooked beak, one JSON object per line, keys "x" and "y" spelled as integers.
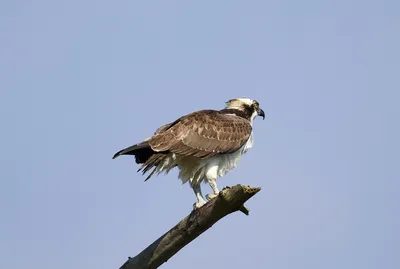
{"x": 261, "y": 113}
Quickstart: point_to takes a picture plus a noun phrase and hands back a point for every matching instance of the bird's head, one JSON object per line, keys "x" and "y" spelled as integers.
{"x": 249, "y": 106}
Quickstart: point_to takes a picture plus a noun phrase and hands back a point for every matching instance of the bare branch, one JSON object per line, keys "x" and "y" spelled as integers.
{"x": 198, "y": 221}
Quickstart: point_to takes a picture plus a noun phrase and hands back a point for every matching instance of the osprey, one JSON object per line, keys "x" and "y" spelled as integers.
{"x": 204, "y": 145}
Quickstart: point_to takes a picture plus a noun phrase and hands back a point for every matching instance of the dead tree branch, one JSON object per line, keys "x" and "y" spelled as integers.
{"x": 198, "y": 221}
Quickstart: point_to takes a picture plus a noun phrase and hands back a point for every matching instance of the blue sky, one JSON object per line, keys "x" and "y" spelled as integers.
{"x": 82, "y": 79}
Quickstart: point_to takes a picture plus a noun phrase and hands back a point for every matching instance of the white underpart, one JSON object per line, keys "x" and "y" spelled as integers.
{"x": 195, "y": 170}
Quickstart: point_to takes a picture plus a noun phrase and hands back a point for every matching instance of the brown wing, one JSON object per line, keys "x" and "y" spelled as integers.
{"x": 202, "y": 134}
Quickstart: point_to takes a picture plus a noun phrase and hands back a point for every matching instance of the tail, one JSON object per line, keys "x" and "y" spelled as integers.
{"x": 146, "y": 156}
{"x": 142, "y": 152}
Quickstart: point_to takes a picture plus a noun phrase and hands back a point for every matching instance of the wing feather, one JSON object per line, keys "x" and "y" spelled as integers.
{"x": 202, "y": 134}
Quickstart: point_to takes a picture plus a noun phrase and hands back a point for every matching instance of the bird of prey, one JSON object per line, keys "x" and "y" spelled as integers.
{"x": 203, "y": 145}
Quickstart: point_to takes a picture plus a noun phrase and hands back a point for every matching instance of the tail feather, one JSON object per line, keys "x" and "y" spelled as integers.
{"x": 127, "y": 151}
{"x": 144, "y": 155}
{"x": 152, "y": 162}
{"x": 142, "y": 152}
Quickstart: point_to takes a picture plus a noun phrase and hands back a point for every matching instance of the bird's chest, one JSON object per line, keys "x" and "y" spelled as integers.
{"x": 229, "y": 161}
{"x": 249, "y": 144}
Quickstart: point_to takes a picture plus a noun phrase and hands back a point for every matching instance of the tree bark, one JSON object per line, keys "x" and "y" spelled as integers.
{"x": 198, "y": 221}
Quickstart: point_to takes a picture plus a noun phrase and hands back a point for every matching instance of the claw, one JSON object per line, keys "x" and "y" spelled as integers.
{"x": 198, "y": 205}
{"x": 211, "y": 196}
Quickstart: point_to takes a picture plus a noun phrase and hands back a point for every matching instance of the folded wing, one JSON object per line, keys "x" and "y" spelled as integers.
{"x": 202, "y": 134}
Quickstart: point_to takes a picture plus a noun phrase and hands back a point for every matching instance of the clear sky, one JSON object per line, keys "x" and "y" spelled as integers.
{"x": 79, "y": 80}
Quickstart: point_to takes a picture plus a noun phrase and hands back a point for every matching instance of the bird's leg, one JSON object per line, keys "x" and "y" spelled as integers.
{"x": 213, "y": 185}
{"x": 199, "y": 196}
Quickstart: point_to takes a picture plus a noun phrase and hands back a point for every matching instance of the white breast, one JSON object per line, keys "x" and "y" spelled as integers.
{"x": 227, "y": 162}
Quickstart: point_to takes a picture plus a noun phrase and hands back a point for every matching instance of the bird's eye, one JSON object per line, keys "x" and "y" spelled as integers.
{"x": 255, "y": 105}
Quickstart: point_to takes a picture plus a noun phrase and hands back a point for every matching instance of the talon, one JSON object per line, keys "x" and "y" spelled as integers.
{"x": 211, "y": 196}
{"x": 198, "y": 205}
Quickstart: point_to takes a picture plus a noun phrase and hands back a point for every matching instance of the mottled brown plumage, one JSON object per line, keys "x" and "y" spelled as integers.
{"x": 203, "y": 134}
